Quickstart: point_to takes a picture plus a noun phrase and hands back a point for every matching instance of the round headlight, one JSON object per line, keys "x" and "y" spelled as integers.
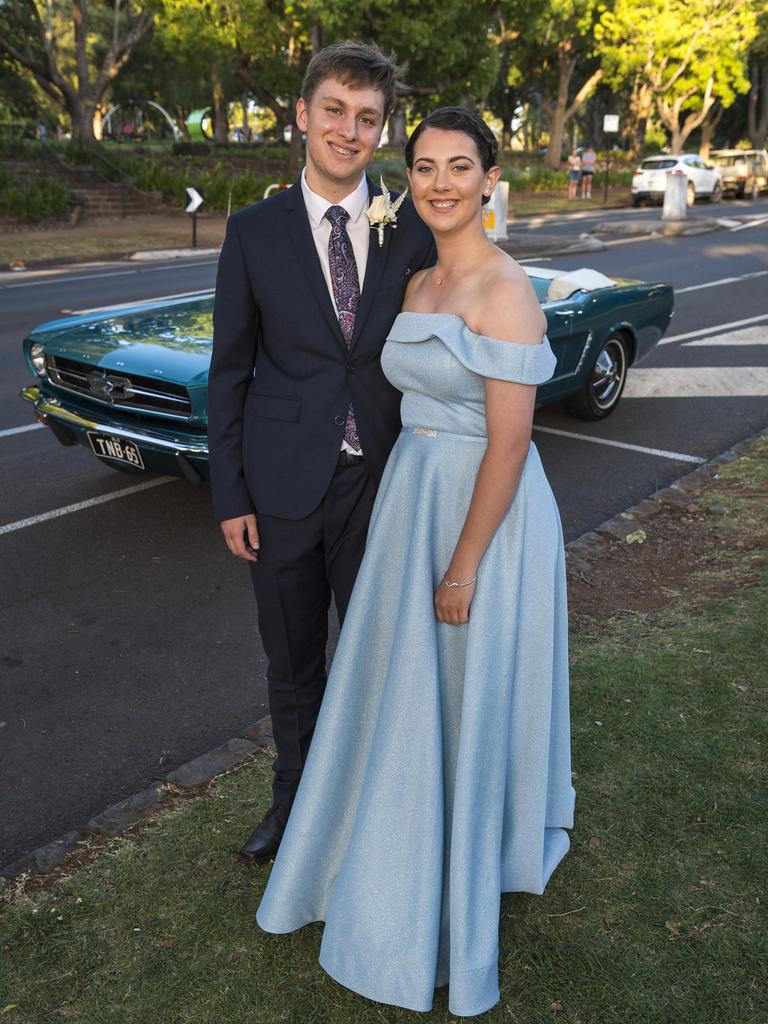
{"x": 37, "y": 358}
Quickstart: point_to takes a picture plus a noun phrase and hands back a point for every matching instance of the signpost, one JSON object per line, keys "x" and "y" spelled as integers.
{"x": 610, "y": 127}
{"x": 495, "y": 212}
{"x": 195, "y": 202}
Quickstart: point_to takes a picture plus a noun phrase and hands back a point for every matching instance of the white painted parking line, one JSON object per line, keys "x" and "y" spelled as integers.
{"x": 180, "y": 266}
{"x": 752, "y": 224}
{"x": 654, "y": 236}
{"x": 660, "y": 452}
{"x": 21, "y": 430}
{"x": 156, "y": 298}
{"x": 78, "y": 506}
{"x": 65, "y": 280}
{"x": 723, "y": 280}
{"x": 714, "y": 329}
{"x": 748, "y": 336}
{"x": 698, "y": 382}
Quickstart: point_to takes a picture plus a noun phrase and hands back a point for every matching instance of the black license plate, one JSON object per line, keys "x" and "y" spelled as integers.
{"x": 116, "y": 449}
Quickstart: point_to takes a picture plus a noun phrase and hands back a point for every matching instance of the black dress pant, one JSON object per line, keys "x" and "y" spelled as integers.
{"x": 301, "y": 563}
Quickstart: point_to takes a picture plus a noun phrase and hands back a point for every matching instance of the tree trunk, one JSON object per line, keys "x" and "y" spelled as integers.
{"x": 246, "y": 129}
{"x": 757, "y": 105}
{"x": 640, "y": 108}
{"x": 81, "y": 113}
{"x": 557, "y": 115}
{"x": 220, "y": 126}
{"x": 708, "y": 127}
{"x": 396, "y": 128}
{"x": 670, "y": 116}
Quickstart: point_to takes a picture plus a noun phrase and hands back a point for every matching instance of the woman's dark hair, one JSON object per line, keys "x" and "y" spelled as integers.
{"x": 357, "y": 65}
{"x": 458, "y": 119}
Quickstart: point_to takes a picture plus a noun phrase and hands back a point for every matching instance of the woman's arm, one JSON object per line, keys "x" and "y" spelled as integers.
{"x": 509, "y": 414}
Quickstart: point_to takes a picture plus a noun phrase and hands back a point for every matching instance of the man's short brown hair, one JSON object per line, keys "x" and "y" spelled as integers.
{"x": 357, "y": 65}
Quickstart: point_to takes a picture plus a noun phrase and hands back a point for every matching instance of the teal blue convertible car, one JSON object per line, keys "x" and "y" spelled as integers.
{"x": 131, "y": 383}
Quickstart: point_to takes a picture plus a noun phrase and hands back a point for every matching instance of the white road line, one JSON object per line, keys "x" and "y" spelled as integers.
{"x": 101, "y": 500}
{"x": 653, "y": 237}
{"x": 676, "y": 456}
{"x": 723, "y": 280}
{"x": 749, "y": 336}
{"x": 64, "y": 280}
{"x": 714, "y": 329}
{"x": 140, "y": 302}
{"x": 21, "y": 430}
{"x": 698, "y": 382}
{"x": 751, "y": 224}
{"x": 180, "y": 265}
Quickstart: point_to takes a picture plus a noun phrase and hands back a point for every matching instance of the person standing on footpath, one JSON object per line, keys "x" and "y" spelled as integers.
{"x": 301, "y": 417}
{"x": 574, "y": 173}
{"x": 588, "y": 167}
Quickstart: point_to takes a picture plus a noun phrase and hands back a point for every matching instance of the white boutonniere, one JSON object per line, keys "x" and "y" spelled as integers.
{"x": 383, "y": 211}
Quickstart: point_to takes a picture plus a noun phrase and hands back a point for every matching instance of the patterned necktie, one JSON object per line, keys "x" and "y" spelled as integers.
{"x": 346, "y": 292}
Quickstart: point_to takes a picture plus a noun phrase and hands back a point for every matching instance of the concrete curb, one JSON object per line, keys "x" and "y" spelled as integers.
{"x": 237, "y": 751}
{"x": 172, "y": 254}
{"x": 662, "y": 228}
{"x": 526, "y": 245}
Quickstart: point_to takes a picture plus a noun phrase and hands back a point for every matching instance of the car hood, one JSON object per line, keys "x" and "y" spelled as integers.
{"x": 168, "y": 340}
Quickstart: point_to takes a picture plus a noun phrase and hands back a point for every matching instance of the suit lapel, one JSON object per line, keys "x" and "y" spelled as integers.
{"x": 303, "y": 243}
{"x": 374, "y": 268}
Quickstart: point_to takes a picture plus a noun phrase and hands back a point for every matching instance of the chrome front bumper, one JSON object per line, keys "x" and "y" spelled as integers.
{"x": 168, "y": 454}
{"x": 50, "y": 408}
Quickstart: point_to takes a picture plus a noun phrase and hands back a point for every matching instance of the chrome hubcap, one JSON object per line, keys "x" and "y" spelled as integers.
{"x": 608, "y": 375}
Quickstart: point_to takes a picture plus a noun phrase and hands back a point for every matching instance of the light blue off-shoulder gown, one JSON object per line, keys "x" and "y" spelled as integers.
{"x": 439, "y": 773}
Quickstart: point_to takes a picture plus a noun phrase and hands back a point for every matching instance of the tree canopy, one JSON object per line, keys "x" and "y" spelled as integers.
{"x": 546, "y": 67}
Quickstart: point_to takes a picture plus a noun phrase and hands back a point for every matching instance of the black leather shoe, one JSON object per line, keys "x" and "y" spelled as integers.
{"x": 262, "y": 844}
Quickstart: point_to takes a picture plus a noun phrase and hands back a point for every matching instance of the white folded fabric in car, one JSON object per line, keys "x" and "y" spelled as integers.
{"x": 582, "y": 279}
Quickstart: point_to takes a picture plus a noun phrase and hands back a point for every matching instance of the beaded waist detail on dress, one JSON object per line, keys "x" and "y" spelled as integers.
{"x": 429, "y": 432}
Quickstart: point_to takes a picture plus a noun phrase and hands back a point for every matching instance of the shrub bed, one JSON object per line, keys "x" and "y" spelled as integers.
{"x": 37, "y": 199}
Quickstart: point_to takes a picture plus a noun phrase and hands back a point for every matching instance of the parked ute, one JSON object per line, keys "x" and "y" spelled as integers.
{"x": 131, "y": 384}
{"x": 743, "y": 172}
{"x": 649, "y": 182}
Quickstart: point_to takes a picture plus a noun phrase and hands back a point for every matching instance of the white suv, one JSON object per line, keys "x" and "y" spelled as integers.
{"x": 650, "y": 179}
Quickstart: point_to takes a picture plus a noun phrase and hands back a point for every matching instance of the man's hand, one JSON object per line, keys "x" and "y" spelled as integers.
{"x": 242, "y": 536}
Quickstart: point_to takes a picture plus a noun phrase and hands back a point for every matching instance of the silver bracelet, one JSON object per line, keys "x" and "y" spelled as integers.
{"x": 452, "y": 585}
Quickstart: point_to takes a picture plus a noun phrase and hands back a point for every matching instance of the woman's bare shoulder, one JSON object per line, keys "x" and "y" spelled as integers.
{"x": 508, "y": 308}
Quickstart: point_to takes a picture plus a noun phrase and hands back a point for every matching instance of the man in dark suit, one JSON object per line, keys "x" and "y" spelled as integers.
{"x": 301, "y": 417}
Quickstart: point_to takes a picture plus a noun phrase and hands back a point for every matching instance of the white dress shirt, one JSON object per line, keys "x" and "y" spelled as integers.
{"x": 358, "y": 229}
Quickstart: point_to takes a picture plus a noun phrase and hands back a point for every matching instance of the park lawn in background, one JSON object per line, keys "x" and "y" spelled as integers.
{"x": 534, "y": 203}
{"x": 656, "y": 915}
{"x": 108, "y": 239}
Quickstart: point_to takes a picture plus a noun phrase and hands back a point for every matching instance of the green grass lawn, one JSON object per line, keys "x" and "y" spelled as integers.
{"x": 657, "y": 914}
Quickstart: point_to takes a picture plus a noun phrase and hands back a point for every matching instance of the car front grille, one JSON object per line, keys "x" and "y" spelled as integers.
{"x": 120, "y": 390}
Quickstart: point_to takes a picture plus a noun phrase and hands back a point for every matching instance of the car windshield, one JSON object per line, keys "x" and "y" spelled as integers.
{"x": 657, "y": 165}
{"x": 734, "y": 158}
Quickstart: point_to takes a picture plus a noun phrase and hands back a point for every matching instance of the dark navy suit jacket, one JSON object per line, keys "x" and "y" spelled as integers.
{"x": 282, "y": 377}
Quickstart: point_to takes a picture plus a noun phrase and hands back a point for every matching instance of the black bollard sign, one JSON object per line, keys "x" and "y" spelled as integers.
{"x": 195, "y": 202}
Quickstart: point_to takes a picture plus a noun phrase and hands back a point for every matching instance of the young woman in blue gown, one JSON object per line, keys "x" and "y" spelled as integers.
{"x": 439, "y": 773}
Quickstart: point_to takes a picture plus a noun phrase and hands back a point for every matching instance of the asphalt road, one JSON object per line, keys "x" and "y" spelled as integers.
{"x": 129, "y": 640}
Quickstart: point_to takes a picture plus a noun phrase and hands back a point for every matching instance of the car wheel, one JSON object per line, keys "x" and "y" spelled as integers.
{"x": 691, "y": 194}
{"x": 637, "y": 201}
{"x": 716, "y": 194}
{"x": 602, "y": 391}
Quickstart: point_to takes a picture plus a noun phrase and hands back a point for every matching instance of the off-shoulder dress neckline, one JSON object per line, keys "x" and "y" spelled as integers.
{"x": 468, "y": 329}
